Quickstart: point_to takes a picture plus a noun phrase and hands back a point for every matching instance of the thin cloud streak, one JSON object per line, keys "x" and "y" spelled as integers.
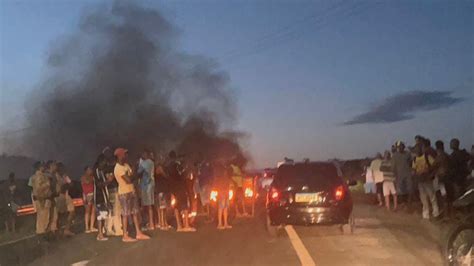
{"x": 403, "y": 106}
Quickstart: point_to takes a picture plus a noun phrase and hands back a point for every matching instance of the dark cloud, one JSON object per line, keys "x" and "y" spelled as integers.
{"x": 404, "y": 106}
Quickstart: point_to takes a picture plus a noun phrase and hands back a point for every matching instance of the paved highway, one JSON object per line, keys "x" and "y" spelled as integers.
{"x": 380, "y": 239}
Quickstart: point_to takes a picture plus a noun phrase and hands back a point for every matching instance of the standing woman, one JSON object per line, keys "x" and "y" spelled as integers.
{"x": 87, "y": 182}
{"x": 222, "y": 183}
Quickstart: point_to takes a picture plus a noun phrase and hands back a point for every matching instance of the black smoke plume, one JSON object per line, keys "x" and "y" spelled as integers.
{"x": 120, "y": 81}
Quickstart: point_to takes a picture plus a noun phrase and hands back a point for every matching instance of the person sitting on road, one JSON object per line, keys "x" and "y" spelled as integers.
{"x": 127, "y": 196}
{"x": 222, "y": 183}
{"x": 389, "y": 181}
{"x": 87, "y": 183}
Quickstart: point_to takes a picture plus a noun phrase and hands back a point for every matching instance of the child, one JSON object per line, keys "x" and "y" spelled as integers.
{"x": 87, "y": 182}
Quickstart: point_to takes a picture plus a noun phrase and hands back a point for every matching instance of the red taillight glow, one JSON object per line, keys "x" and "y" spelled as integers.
{"x": 248, "y": 193}
{"x": 274, "y": 195}
{"x": 213, "y": 195}
{"x": 339, "y": 194}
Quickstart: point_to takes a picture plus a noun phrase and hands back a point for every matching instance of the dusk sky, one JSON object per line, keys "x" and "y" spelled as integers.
{"x": 316, "y": 79}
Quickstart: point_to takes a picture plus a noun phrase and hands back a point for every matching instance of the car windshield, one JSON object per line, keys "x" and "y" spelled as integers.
{"x": 310, "y": 174}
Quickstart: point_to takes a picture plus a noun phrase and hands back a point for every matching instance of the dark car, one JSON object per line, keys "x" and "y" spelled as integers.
{"x": 308, "y": 194}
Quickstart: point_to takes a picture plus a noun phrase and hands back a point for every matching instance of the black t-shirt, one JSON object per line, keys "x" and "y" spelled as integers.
{"x": 161, "y": 183}
{"x": 100, "y": 188}
{"x": 458, "y": 165}
{"x": 176, "y": 177}
{"x": 109, "y": 169}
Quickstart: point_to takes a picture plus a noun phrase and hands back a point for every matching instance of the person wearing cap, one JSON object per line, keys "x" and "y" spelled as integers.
{"x": 402, "y": 169}
{"x": 378, "y": 177}
{"x": 127, "y": 196}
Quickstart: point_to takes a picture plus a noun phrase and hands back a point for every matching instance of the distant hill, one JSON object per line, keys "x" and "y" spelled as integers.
{"x": 22, "y": 166}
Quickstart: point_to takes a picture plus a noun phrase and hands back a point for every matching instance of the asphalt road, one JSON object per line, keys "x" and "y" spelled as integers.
{"x": 379, "y": 239}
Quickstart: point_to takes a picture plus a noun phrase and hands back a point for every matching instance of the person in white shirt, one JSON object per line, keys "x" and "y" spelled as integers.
{"x": 369, "y": 181}
{"x": 378, "y": 177}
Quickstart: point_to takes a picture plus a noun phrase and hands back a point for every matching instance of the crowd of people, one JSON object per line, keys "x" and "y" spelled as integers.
{"x": 118, "y": 194}
{"x": 402, "y": 175}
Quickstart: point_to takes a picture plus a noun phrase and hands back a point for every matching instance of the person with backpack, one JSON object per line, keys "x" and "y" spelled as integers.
{"x": 423, "y": 172}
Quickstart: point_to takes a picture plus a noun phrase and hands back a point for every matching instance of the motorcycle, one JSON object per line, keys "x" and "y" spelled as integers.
{"x": 459, "y": 247}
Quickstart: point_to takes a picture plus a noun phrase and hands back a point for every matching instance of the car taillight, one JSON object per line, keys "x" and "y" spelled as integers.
{"x": 339, "y": 193}
{"x": 248, "y": 193}
{"x": 274, "y": 194}
{"x": 213, "y": 195}
{"x": 173, "y": 201}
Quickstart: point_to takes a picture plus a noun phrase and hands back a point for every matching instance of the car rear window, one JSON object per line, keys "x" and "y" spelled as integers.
{"x": 311, "y": 173}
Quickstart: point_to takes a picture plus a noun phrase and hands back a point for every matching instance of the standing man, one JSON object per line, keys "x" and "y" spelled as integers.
{"x": 11, "y": 196}
{"x": 146, "y": 169}
{"x": 222, "y": 185}
{"x": 389, "y": 181}
{"x": 43, "y": 198}
{"x": 422, "y": 169}
{"x": 237, "y": 177}
{"x": 402, "y": 170}
{"x": 459, "y": 170}
{"x": 127, "y": 195}
{"x": 205, "y": 184}
{"x": 178, "y": 188}
{"x": 378, "y": 177}
{"x": 442, "y": 180}
{"x": 101, "y": 195}
{"x": 114, "y": 220}
{"x": 64, "y": 201}
{"x": 162, "y": 194}
{"x": 52, "y": 174}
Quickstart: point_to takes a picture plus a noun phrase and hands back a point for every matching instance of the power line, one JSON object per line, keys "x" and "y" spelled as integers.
{"x": 291, "y": 35}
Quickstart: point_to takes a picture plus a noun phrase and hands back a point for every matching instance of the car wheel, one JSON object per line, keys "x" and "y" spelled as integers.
{"x": 273, "y": 230}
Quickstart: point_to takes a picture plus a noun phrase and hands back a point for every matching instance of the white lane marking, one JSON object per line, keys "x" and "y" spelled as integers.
{"x": 300, "y": 249}
{"x": 80, "y": 263}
